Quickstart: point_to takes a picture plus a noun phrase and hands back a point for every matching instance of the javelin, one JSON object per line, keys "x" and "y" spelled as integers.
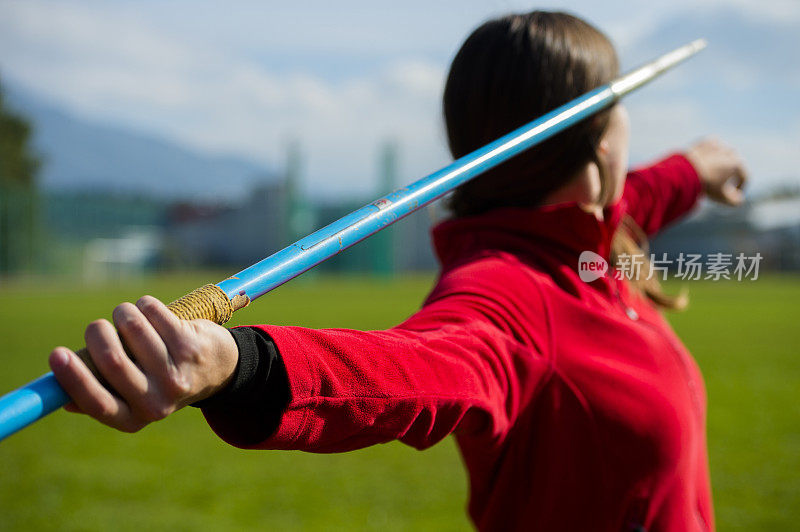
{"x": 218, "y": 302}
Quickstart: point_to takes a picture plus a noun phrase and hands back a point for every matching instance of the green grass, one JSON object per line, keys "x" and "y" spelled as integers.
{"x": 69, "y": 473}
{"x": 746, "y": 338}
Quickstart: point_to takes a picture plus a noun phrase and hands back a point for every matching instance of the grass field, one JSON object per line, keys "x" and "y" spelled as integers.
{"x": 69, "y": 473}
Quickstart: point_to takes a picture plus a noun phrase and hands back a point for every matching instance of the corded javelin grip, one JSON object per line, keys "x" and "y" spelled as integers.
{"x": 218, "y": 302}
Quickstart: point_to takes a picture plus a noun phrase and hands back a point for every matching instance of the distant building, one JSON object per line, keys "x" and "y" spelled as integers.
{"x": 81, "y": 216}
{"x": 239, "y": 235}
{"x": 275, "y": 215}
{"x": 106, "y": 235}
{"x": 413, "y": 249}
{"x": 101, "y": 234}
{"x": 126, "y": 256}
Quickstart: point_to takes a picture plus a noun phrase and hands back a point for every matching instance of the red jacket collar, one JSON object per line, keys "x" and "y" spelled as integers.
{"x": 563, "y": 230}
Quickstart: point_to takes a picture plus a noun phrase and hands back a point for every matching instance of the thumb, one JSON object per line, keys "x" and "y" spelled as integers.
{"x": 731, "y": 190}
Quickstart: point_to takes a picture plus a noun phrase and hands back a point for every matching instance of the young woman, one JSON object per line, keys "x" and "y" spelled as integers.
{"x": 574, "y": 404}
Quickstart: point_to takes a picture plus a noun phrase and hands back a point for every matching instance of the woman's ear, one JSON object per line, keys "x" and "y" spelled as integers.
{"x": 602, "y": 147}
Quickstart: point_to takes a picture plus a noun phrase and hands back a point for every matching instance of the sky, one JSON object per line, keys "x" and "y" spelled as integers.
{"x": 342, "y": 78}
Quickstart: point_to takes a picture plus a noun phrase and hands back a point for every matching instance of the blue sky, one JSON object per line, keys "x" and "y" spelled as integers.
{"x": 245, "y": 78}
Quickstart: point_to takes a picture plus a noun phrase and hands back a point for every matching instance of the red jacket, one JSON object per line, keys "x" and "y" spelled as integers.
{"x": 572, "y": 411}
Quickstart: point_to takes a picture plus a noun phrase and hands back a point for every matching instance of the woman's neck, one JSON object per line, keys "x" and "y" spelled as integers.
{"x": 583, "y": 189}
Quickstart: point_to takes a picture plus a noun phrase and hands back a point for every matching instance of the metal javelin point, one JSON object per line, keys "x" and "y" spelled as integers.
{"x": 35, "y": 400}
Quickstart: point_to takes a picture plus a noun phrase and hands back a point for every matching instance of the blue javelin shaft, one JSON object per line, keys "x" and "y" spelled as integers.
{"x": 306, "y": 253}
{"x": 44, "y": 395}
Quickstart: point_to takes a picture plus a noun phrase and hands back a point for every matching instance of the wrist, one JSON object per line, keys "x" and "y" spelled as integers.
{"x": 245, "y": 362}
{"x": 229, "y": 361}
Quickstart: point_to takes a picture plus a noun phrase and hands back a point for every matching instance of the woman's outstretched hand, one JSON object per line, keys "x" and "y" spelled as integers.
{"x": 176, "y": 363}
{"x": 721, "y": 171}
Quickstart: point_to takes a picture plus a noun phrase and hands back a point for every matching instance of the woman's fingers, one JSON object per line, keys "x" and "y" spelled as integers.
{"x": 72, "y": 407}
{"x": 141, "y": 338}
{"x": 733, "y": 188}
{"x": 730, "y": 188}
{"x": 113, "y": 362}
{"x": 741, "y": 175}
{"x": 174, "y": 363}
{"x": 721, "y": 171}
{"x": 730, "y": 195}
{"x": 88, "y": 394}
{"x": 164, "y": 321}
{"x": 203, "y": 354}
{"x": 147, "y": 390}
{"x": 180, "y": 341}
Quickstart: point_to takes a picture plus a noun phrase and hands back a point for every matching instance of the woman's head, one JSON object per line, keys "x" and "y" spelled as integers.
{"x": 510, "y": 71}
{"x": 514, "y": 69}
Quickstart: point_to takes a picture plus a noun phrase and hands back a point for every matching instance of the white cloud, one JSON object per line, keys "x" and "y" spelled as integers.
{"x": 780, "y": 11}
{"x": 117, "y": 70}
{"x": 198, "y": 80}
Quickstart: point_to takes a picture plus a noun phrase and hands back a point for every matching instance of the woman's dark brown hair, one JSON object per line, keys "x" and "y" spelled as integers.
{"x": 511, "y": 70}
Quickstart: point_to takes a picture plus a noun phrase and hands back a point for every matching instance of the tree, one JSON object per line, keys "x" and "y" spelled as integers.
{"x": 18, "y": 206}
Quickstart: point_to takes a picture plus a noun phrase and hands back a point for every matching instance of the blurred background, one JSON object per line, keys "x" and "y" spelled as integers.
{"x": 155, "y": 146}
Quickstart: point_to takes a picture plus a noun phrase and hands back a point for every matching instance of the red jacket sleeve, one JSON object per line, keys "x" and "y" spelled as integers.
{"x": 658, "y": 194}
{"x": 449, "y": 366}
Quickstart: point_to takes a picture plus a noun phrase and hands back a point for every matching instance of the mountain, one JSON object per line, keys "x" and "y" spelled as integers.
{"x": 81, "y": 155}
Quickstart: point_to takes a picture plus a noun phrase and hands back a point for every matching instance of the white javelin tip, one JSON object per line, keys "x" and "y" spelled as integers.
{"x": 699, "y": 44}
{"x": 643, "y": 74}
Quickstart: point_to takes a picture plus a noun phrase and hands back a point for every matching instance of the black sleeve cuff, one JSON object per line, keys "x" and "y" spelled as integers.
{"x": 251, "y": 406}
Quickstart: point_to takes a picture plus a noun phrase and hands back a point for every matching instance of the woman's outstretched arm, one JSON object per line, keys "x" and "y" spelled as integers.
{"x": 658, "y": 194}
{"x": 455, "y": 364}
